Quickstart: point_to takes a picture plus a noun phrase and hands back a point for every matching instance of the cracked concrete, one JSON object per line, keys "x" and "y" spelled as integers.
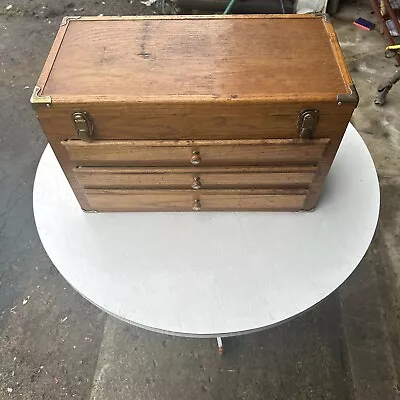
{"x": 54, "y": 344}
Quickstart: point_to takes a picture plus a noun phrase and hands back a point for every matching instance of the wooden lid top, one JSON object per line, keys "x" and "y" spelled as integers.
{"x": 188, "y": 58}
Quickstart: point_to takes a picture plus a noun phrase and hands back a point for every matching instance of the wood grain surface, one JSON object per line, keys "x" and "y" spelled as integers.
{"x": 202, "y": 120}
{"x": 204, "y": 178}
{"x": 184, "y": 200}
{"x": 230, "y": 88}
{"x": 179, "y": 153}
{"x": 213, "y": 57}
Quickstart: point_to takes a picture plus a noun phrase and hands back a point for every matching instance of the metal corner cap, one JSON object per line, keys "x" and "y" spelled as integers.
{"x": 36, "y": 98}
{"x": 351, "y": 97}
{"x": 65, "y": 20}
{"x": 326, "y": 17}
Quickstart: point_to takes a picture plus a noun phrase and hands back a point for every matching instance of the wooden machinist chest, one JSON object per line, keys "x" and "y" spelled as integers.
{"x": 195, "y": 112}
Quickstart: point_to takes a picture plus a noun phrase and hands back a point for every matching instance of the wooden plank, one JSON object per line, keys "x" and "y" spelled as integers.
{"x": 180, "y": 153}
{"x": 203, "y": 120}
{"x": 211, "y": 57}
{"x": 185, "y": 200}
{"x": 205, "y": 178}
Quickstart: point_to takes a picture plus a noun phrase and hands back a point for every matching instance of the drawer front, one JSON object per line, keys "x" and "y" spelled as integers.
{"x": 202, "y": 200}
{"x": 195, "y": 178}
{"x": 197, "y": 153}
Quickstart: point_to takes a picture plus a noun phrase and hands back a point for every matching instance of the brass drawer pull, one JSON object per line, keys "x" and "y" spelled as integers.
{"x": 196, "y": 205}
{"x": 196, "y": 183}
{"x": 195, "y": 160}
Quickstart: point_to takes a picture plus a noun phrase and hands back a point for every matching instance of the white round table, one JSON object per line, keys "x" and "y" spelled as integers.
{"x": 211, "y": 274}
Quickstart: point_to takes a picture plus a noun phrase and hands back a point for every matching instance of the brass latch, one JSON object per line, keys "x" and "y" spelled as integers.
{"x": 83, "y": 125}
{"x": 307, "y": 123}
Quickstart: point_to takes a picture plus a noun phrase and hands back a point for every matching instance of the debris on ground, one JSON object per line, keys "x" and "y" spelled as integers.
{"x": 148, "y": 3}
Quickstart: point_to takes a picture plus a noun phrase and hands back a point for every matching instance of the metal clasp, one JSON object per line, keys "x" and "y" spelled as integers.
{"x": 307, "y": 123}
{"x": 83, "y": 125}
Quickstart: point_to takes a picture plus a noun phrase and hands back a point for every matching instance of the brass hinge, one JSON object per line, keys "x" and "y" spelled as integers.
{"x": 36, "y": 98}
{"x": 83, "y": 124}
{"x": 306, "y": 123}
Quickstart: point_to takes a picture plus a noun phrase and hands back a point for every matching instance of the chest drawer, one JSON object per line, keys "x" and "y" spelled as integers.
{"x": 188, "y": 200}
{"x": 195, "y": 178}
{"x": 195, "y": 153}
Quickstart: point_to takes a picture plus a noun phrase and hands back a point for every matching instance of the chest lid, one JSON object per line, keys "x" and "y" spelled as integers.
{"x": 195, "y": 58}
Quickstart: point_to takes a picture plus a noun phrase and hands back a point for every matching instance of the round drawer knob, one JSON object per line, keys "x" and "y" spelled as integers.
{"x": 195, "y": 160}
{"x": 196, "y": 183}
{"x": 196, "y": 205}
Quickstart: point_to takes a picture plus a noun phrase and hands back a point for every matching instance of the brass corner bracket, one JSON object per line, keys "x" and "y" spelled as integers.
{"x": 323, "y": 15}
{"x": 326, "y": 17}
{"x": 351, "y": 97}
{"x": 36, "y": 98}
{"x": 65, "y": 20}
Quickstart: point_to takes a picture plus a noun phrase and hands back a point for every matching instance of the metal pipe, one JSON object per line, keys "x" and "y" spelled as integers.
{"x": 229, "y": 7}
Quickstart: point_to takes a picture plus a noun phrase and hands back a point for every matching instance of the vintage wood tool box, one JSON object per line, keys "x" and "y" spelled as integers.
{"x": 195, "y": 112}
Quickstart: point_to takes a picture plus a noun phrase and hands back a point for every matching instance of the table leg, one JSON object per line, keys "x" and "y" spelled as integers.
{"x": 220, "y": 346}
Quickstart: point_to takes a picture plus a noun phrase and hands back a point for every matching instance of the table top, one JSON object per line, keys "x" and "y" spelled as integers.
{"x": 211, "y": 274}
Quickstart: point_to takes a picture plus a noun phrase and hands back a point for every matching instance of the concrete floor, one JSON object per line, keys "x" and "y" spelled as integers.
{"x": 54, "y": 344}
